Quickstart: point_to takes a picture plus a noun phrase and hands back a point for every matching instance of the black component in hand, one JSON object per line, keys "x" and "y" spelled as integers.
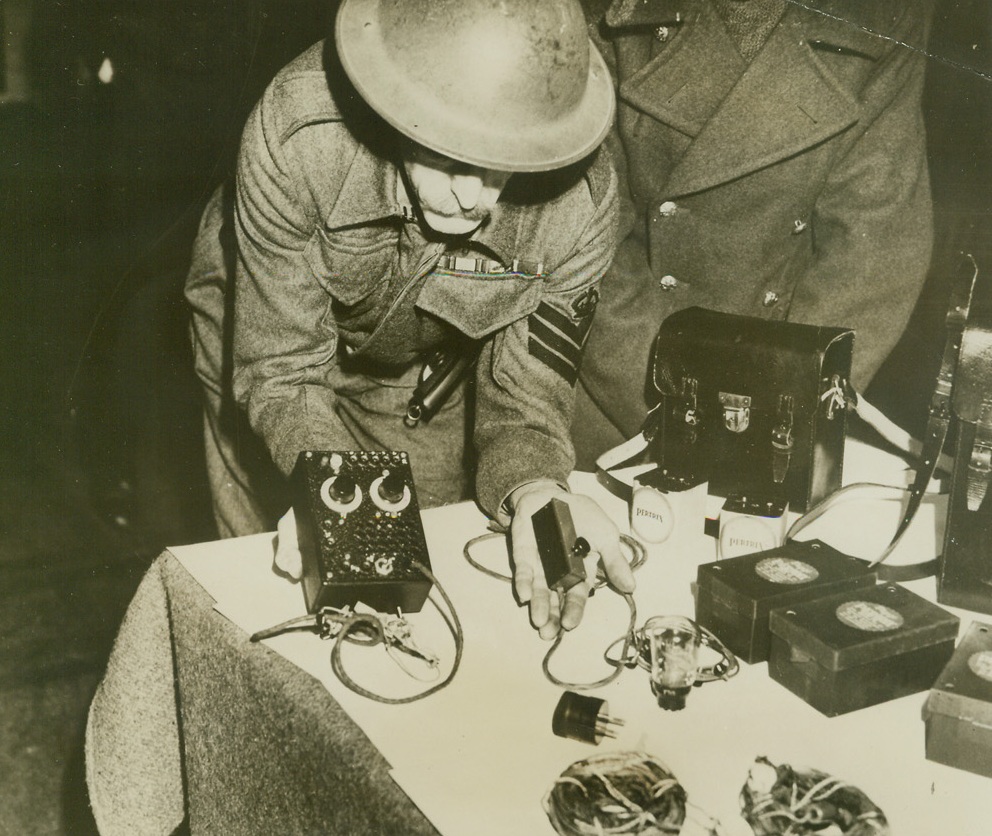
{"x": 560, "y": 550}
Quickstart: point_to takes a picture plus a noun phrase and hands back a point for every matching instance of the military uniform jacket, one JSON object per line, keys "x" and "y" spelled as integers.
{"x": 333, "y": 268}
{"x": 791, "y": 187}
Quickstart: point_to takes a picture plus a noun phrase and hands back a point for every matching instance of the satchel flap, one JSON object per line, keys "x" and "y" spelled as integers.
{"x": 747, "y": 355}
{"x": 973, "y": 377}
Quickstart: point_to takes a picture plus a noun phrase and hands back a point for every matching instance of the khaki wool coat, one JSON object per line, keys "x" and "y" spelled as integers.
{"x": 320, "y": 331}
{"x": 794, "y": 186}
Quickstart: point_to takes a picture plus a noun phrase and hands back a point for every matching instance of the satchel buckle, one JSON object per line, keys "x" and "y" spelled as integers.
{"x": 736, "y": 411}
{"x": 979, "y": 469}
{"x": 980, "y": 464}
{"x": 835, "y": 396}
{"x": 782, "y": 441}
{"x": 690, "y": 389}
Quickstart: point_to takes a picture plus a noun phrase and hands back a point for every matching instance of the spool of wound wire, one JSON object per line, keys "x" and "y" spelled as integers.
{"x": 616, "y": 793}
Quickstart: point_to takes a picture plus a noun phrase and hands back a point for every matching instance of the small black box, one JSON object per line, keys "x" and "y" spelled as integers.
{"x": 860, "y": 648}
{"x": 360, "y": 531}
{"x": 560, "y": 550}
{"x": 734, "y": 596}
{"x": 958, "y": 712}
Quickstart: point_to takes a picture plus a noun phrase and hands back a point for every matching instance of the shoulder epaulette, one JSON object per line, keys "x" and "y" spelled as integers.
{"x": 301, "y": 94}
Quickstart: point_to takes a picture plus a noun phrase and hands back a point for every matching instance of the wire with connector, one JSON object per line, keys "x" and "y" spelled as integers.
{"x": 638, "y": 557}
{"x": 371, "y": 629}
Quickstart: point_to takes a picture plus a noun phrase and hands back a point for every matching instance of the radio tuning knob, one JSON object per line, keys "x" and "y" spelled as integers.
{"x": 391, "y": 487}
{"x": 342, "y": 489}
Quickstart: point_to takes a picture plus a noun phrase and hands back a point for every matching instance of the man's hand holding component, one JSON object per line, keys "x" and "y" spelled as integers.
{"x": 552, "y": 610}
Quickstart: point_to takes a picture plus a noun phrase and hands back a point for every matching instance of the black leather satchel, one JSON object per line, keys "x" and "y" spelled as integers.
{"x": 965, "y": 575}
{"x": 756, "y": 407}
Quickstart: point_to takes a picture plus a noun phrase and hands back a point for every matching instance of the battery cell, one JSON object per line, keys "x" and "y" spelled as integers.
{"x": 735, "y": 596}
{"x": 958, "y": 711}
{"x": 860, "y": 648}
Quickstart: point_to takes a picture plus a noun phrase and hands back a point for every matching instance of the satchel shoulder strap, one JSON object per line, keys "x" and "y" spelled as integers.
{"x": 629, "y": 453}
{"x": 980, "y": 460}
{"x": 972, "y": 399}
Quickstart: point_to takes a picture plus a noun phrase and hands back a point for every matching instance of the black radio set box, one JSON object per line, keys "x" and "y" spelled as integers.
{"x": 829, "y": 632}
{"x": 734, "y": 597}
{"x": 958, "y": 711}
{"x": 360, "y": 531}
{"x": 860, "y": 647}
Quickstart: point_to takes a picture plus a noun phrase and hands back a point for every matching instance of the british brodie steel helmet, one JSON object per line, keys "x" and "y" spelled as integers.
{"x": 510, "y": 85}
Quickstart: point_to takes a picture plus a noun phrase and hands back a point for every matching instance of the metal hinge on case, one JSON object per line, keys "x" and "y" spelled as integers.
{"x": 736, "y": 411}
{"x": 782, "y": 442}
{"x": 980, "y": 463}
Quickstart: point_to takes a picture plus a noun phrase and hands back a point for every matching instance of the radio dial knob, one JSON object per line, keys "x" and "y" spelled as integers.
{"x": 391, "y": 488}
{"x": 342, "y": 489}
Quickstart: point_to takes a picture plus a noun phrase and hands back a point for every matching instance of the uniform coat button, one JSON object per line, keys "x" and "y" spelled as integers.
{"x": 668, "y": 283}
{"x": 770, "y": 300}
{"x": 662, "y": 34}
{"x": 667, "y": 209}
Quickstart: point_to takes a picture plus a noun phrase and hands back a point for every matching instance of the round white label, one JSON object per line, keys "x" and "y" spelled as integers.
{"x": 981, "y": 664}
{"x": 785, "y": 570}
{"x": 869, "y": 616}
{"x": 651, "y": 515}
{"x": 746, "y": 535}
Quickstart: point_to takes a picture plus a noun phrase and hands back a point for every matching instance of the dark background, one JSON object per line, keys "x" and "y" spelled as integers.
{"x": 101, "y": 187}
